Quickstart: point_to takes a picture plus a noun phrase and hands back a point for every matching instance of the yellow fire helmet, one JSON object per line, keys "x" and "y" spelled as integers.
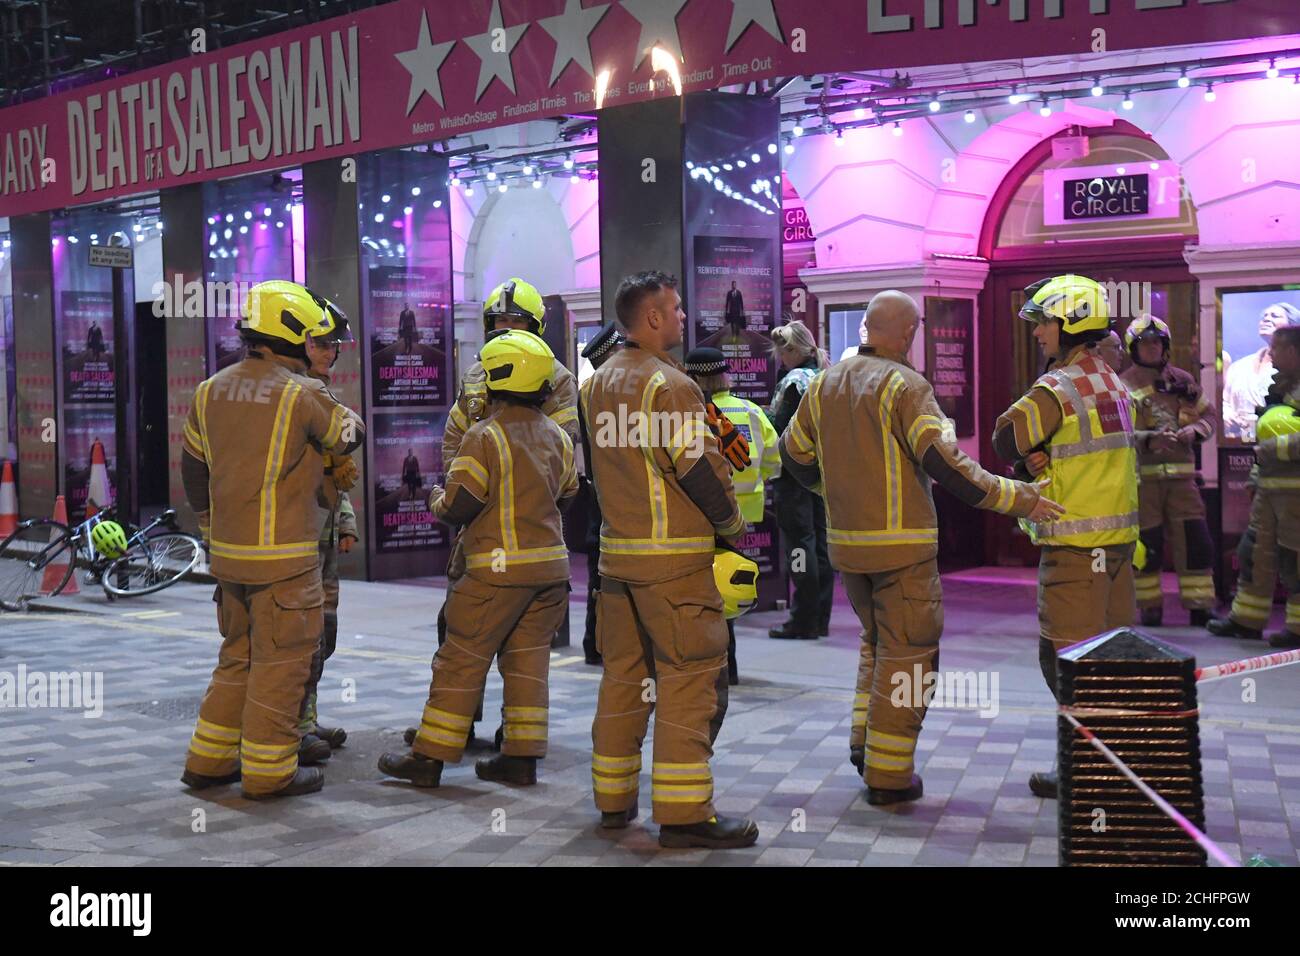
{"x": 1077, "y": 301}
{"x": 1146, "y": 326}
{"x": 109, "y": 539}
{"x": 515, "y": 297}
{"x": 1277, "y": 420}
{"x": 285, "y": 310}
{"x": 517, "y": 361}
{"x": 737, "y": 579}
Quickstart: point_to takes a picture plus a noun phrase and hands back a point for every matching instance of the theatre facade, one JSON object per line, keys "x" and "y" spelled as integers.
{"x": 786, "y": 160}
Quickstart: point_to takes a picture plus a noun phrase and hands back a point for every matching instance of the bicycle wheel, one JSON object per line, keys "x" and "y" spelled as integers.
{"x": 36, "y": 560}
{"x": 160, "y": 561}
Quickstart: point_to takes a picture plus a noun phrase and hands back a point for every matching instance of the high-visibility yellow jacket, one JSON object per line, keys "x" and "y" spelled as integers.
{"x": 1277, "y": 452}
{"x": 663, "y": 485}
{"x": 1081, "y": 414}
{"x": 514, "y": 474}
{"x": 764, "y": 456}
{"x": 252, "y": 466}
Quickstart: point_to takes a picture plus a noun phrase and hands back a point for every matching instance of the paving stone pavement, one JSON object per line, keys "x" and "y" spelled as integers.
{"x": 104, "y": 791}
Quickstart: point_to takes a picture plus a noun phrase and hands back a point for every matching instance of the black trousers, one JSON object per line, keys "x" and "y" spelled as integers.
{"x": 801, "y": 516}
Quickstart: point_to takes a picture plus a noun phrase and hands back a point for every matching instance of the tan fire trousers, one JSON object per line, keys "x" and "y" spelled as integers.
{"x": 1172, "y": 511}
{"x": 902, "y": 619}
{"x": 513, "y": 624}
{"x": 249, "y": 715}
{"x": 1081, "y": 595}
{"x": 1268, "y": 549}
{"x": 665, "y": 650}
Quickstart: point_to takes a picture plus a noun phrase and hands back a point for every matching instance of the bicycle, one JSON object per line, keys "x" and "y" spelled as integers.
{"x": 40, "y": 557}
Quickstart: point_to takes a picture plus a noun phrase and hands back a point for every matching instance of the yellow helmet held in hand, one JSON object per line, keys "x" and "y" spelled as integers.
{"x": 737, "y": 579}
{"x": 1077, "y": 302}
{"x": 517, "y": 298}
{"x": 518, "y": 362}
{"x": 109, "y": 539}
{"x": 287, "y": 311}
{"x": 1277, "y": 420}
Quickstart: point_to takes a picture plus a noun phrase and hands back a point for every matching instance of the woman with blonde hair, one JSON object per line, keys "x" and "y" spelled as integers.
{"x": 800, "y": 513}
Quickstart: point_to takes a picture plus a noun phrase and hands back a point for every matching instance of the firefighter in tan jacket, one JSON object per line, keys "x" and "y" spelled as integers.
{"x": 1171, "y": 416}
{"x": 664, "y": 495}
{"x": 514, "y": 474}
{"x": 869, "y": 436}
{"x": 252, "y": 467}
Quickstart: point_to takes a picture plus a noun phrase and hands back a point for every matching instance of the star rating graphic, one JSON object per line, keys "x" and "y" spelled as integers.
{"x": 423, "y": 64}
{"x": 571, "y": 31}
{"x": 495, "y": 62}
{"x": 745, "y": 12}
{"x": 658, "y": 26}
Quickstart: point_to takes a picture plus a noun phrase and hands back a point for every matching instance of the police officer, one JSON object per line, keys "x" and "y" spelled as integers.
{"x": 514, "y": 474}
{"x": 1075, "y": 427}
{"x": 665, "y": 495}
{"x": 251, "y": 472}
{"x": 600, "y": 348}
{"x": 1272, "y": 540}
{"x": 871, "y": 422}
{"x": 709, "y": 369}
{"x": 1172, "y": 416}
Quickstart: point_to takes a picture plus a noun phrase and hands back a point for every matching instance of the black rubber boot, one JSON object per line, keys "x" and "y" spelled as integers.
{"x": 498, "y": 738}
{"x": 1227, "y": 627}
{"x": 1198, "y": 617}
{"x": 521, "y": 771}
{"x": 718, "y": 833}
{"x": 883, "y": 797}
{"x": 334, "y": 736}
{"x": 1284, "y": 640}
{"x": 312, "y": 750}
{"x": 1153, "y": 616}
{"x": 198, "y": 781}
{"x": 1043, "y": 785}
{"x": 421, "y": 771}
{"x": 858, "y": 757}
{"x": 306, "y": 780}
{"x": 618, "y": 819}
{"x": 789, "y": 632}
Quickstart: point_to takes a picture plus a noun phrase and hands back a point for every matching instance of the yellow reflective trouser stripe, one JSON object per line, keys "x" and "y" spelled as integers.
{"x": 520, "y": 556}
{"x": 860, "y": 709}
{"x": 681, "y": 783}
{"x": 1195, "y": 582}
{"x": 204, "y": 749}
{"x": 507, "y": 504}
{"x": 217, "y": 731}
{"x": 1279, "y": 482}
{"x": 886, "y": 536}
{"x": 885, "y": 761}
{"x": 1293, "y": 611}
{"x": 893, "y": 477}
{"x": 524, "y": 723}
{"x": 1250, "y": 600}
{"x": 268, "y": 760}
{"x": 444, "y": 727}
{"x": 274, "y": 460}
{"x": 615, "y": 774}
{"x": 656, "y": 545}
{"x": 891, "y": 742}
{"x": 258, "y": 552}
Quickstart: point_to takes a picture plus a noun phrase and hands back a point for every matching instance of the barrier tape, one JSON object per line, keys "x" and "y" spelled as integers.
{"x": 1208, "y": 845}
{"x": 1265, "y": 662}
{"x": 1124, "y": 712}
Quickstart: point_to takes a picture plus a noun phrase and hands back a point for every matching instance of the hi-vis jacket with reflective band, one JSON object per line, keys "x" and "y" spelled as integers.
{"x": 1277, "y": 459}
{"x": 664, "y": 487}
{"x": 561, "y": 406}
{"x": 1083, "y": 414}
{"x": 872, "y": 428}
{"x": 254, "y": 436}
{"x": 513, "y": 468}
{"x": 1166, "y": 400}
{"x": 764, "y": 457}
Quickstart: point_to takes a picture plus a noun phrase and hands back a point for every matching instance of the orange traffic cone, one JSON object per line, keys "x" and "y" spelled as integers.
{"x": 8, "y": 502}
{"x": 54, "y": 572}
{"x": 98, "y": 492}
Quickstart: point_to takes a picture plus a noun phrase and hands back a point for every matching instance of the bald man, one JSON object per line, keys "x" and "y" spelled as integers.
{"x": 869, "y": 437}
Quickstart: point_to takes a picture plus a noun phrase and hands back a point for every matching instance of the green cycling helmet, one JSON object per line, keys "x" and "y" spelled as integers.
{"x": 109, "y": 539}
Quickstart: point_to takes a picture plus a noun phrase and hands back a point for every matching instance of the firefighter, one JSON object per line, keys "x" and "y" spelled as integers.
{"x": 709, "y": 369}
{"x": 251, "y": 472}
{"x": 1272, "y": 539}
{"x": 338, "y": 533}
{"x": 513, "y": 475}
{"x": 665, "y": 495}
{"x": 600, "y": 348}
{"x": 514, "y": 304}
{"x": 1171, "y": 417}
{"x": 1075, "y": 427}
{"x": 871, "y": 421}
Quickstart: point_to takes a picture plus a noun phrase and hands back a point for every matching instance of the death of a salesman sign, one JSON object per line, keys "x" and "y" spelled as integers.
{"x": 950, "y": 358}
{"x": 410, "y": 321}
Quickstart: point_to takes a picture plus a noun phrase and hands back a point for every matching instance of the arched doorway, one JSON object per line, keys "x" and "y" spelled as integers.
{"x": 1139, "y": 260}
